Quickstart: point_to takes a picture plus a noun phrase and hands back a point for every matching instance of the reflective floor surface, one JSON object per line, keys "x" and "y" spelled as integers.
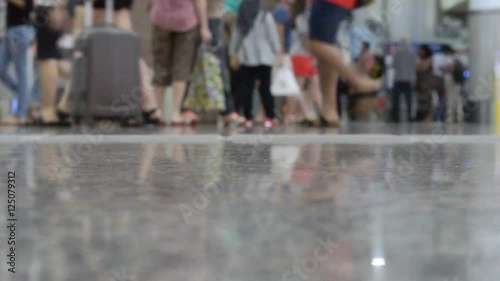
{"x": 208, "y": 206}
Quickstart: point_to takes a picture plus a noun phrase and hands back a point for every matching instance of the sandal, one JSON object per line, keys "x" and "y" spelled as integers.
{"x": 150, "y": 119}
{"x": 130, "y": 122}
{"x": 63, "y": 116}
{"x": 177, "y": 124}
{"x": 190, "y": 118}
{"x": 328, "y": 124}
{"x": 40, "y": 122}
{"x": 310, "y": 123}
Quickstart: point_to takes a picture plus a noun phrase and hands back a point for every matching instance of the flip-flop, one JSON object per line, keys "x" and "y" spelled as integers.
{"x": 149, "y": 118}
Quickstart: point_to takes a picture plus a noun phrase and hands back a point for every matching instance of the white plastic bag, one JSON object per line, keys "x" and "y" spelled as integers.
{"x": 284, "y": 83}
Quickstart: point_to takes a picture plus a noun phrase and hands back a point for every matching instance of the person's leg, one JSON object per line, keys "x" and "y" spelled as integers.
{"x": 324, "y": 23}
{"x": 183, "y": 55}
{"x": 162, "y": 57}
{"x": 396, "y": 102}
{"x": 315, "y": 90}
{"x": 331, "y": 57}
{"x": 178, "y": 90}
{"x": 328, "y": 81}
{"x": 64, "y": 68}
{"x": 5, "y": 59}
{"x": 305, "y": 100}
{"x": 48, "y": 56}
{"x": 267, "y": 99}
{"x": 247, "y": 79}
{"x": 78, "y": 20}
{"x": 123, "y": 19}
{"x": 459, "y": 103}
{"x": 24, "y": 37}
{"x": 409, "y": 100}
{"x": 49, "y": 79}
{"x": 235, "y": 83}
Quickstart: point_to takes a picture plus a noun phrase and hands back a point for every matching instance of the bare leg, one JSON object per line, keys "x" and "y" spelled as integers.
{"x": 78, "y": 20}
{"x": 315, "y": 90}
{"x": 64, "y": 103}
{"x": 331, "y": 57}
{"x": 328, "y": 80}
{"x": 179, "y": 88}
{"x": 49, "y": 77}
{"x": 123, "y": 20}
{"x": 304, "y": 100}
{"x": 64, "y": 69}
{"x": 160, "y": 95}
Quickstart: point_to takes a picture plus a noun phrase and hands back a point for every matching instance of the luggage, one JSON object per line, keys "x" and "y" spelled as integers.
{"x": 105, "y": 78}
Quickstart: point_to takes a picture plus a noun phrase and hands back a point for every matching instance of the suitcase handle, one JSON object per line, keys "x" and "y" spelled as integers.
{"x": 89, "y": 12}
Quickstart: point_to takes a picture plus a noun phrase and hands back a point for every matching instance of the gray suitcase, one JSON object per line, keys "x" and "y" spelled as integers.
{"x": 106, "y": 79}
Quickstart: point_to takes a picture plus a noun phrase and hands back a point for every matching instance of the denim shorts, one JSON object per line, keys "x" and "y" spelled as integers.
{"x": 325, "y": 20}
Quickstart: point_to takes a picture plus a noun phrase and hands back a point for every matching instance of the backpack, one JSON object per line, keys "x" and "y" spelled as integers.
{"x": 458, "y": 72}
{"x": 174, "y": 15}
{"x": 379, "y": 67}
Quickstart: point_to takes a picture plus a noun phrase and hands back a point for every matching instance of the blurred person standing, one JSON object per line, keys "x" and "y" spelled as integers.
{"x": 426, "y": 84}
{"x": 14, "y": 49}
{"x": 453, "y": 80}
{"x": 176, "y": 27}
{"x": 404, "y": 64}
{"x": 283, "y": 17}
{"x": 255, "y": 45}
{"x": 216, "y": 11}
{"x": 324, "y": 22}
{"x": 51, "y": 20}
{"x": 304, "y": 64}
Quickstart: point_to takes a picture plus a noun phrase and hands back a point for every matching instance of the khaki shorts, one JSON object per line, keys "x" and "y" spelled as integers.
{"x": 173, "y": 55}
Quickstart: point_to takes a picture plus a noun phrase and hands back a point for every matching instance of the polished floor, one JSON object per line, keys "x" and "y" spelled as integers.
{"x": 379, "y": 202}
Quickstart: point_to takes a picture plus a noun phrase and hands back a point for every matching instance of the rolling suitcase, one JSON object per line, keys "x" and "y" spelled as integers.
{"x": 106, "y": 79}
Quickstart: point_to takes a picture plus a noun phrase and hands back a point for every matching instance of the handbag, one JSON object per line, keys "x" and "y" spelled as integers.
{"x": 206, "y": 91}
{"x": 284, "y": 82}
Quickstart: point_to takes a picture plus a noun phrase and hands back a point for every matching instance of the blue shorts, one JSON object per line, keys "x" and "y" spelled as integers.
{"x": 325, "y": 20}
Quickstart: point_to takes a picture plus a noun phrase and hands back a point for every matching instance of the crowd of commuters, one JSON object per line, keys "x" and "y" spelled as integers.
{"x": 248, "y": 38}
{"x": 419, "y": 73}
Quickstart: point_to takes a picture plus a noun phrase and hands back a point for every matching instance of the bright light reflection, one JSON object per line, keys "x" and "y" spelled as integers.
{"x": 378, "y": 262}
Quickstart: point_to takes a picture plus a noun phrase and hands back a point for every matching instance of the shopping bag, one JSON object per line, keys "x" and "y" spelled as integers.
{"x": 284, "y": 83}
{"x": 206, "y": 91}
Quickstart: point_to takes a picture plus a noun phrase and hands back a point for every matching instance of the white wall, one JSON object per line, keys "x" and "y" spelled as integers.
{"x": 481, "y": 5}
